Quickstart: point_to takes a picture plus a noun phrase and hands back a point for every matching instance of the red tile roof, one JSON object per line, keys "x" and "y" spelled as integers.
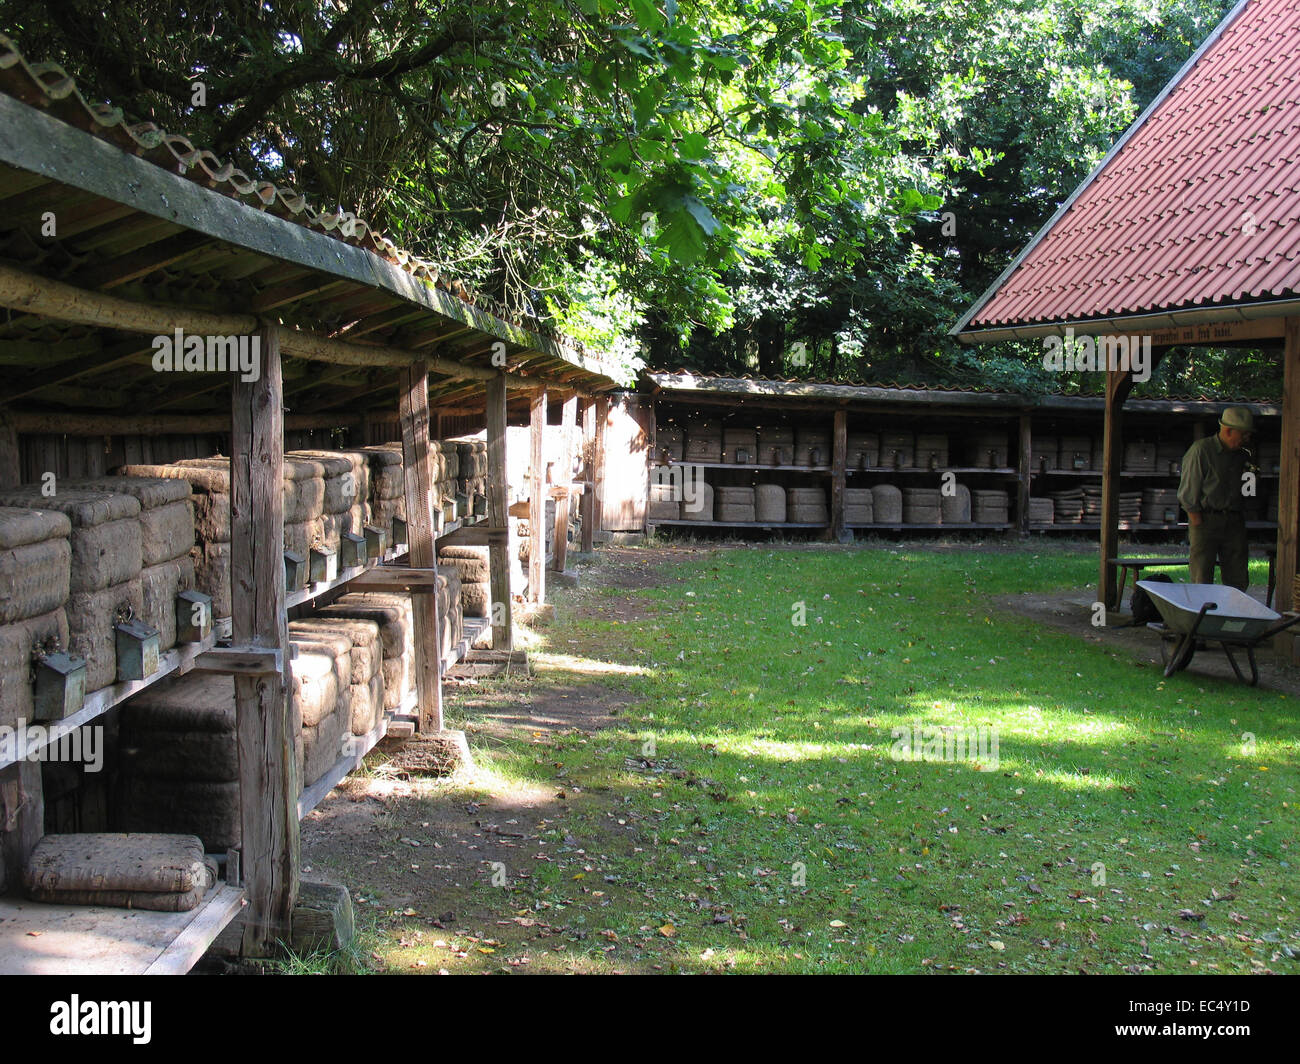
{"x": 1196, "y": 206}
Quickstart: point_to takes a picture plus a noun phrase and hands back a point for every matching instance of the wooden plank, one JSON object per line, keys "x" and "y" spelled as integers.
{"x": 395, "y": 578}
{"x": 42, "y": 939}
{"x": 587, "y": 505}
{"x": 265, "y": 724}
{"x": 568, "y": 418}
{"x": 1288, "y": 489}
{"x": 1118, "y": 384}
{"x": 537, "y": 498}
{"x": 413, "y": 412}
{"x": 839, "y": 461}
{"x": 501, "y": 607}
{"x": 211, "y": 918}
{"x": 239, "y": 661}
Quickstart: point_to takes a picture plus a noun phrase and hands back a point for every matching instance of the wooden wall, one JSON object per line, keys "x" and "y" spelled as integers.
{"x": 628, "y": 431}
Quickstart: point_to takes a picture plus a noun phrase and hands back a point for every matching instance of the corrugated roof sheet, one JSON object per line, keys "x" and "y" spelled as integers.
{"x": 1198, "y": 206}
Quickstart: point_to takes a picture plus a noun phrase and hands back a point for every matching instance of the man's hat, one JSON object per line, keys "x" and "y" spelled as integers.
{"x": 1237, "y": 417}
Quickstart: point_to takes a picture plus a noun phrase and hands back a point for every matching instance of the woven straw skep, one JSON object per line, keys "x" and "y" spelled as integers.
{"x": 17, "y": 641}
{"x": 35, "y": 562}
{"x": 957, "y": 506}
{"x": 887, "y": 503}
{"x": 105, "y": 536}
{"x": 91, "y": 617}
{"x": 160, "y": 584}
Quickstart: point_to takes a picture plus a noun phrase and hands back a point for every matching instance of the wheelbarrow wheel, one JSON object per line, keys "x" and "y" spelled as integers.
{"x": 1176, "y": 652}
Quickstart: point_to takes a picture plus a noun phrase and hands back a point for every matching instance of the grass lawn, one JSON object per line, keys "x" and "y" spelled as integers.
{"x": 744, "y": 812}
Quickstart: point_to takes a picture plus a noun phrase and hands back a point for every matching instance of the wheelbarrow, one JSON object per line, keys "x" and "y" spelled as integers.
{"x": 1212, "y": 612}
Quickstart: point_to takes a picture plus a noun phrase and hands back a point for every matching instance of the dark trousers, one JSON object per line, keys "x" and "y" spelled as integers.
{"x": 1221, "y": 538}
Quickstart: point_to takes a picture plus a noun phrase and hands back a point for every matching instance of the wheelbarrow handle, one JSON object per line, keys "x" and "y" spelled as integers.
{"x": 1200, "y": 616}
{"x": 1280, "y": 625}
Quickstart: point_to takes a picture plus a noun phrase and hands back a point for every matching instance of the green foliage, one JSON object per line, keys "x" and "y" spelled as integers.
{"x": 748, "y": 174}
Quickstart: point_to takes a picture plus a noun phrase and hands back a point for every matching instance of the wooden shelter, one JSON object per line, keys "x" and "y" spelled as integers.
{"x": 1186, "y": 233}
{"x": 1024, "y": 431}
{"x": 115, "y": 235}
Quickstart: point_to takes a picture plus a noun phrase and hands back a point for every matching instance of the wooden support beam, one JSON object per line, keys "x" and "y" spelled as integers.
{"x": 598, "y": 462}
{"x": 11, "y": 473}
{"x": 501, "y": 606}
{"x": 159, "y": 425}
{"x": 265, "y": 723}
{"x": 1024, "y": 479}
{"x": 586, "y": 505}
{"x": 1288, "y": 492}
{"x": 41, "y": 295}
{"x": 839, "y": 463}
{"x": 141, "y": 262}
{"x": 1118, "y": 385}
{"x": 537, "y": 499}
{"x": 413, "y": 412}
{"x": 569, "y": 417}
{"x": 22, "y": 821}
{"x": 239, "y": 661}
{"x": 395, "y": 578}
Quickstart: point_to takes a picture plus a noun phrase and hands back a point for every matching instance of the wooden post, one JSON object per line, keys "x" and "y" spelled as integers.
{"x": 1118, "y": 384}
{"x": 839, "y": 460}
{"x": 265, "y": 722}
{"x": 537, "y": 499}
{"x": 500, "y": 608}
{"x": 1025, "y": 466}
{"x": 22, "y": 821}
{"x": 569, "y": 418}
{"x": 413, "y": 411}
{"x": 1288, "y": 493}
{"x": 10, "y": 468}
{"x": 598, "y": 463}
{"x": 587, "y": 506}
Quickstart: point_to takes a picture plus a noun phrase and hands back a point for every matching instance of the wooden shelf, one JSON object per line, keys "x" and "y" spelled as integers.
{"x": 314, "y": 591}
{"x": 740, "y": 524}
{"x": 40, "y": 939}
{"x": 743, "y": 466}
{"x": 934, "y": 527}
{"x": 1142, "y": 526}
{"x": 175, "y": 662}
{"x": 1005, "y": 471}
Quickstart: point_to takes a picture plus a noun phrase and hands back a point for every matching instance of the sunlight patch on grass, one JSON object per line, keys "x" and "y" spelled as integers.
{"x": 586, "y": 666}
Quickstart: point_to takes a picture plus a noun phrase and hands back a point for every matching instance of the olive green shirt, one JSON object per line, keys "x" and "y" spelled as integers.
{"x": 1211, "y": 477}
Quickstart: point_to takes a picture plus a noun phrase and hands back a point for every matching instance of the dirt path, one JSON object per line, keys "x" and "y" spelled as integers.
{"x": 419, "y": 854}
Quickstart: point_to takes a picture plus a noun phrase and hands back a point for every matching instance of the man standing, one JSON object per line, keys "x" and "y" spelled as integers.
{"x": 1211, "y": 493}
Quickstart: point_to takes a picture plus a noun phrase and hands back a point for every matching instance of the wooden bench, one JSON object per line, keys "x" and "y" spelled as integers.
{"x": 1137, "y": 565}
